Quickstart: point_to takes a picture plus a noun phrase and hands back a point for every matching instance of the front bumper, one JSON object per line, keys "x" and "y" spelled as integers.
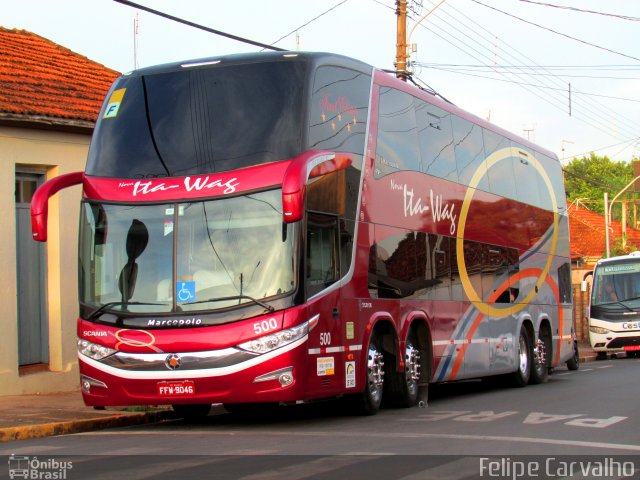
{"x": 220, "y": 376}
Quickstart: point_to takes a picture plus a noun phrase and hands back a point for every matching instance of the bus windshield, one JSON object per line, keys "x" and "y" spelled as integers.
{"x": 200, "y": 120}
{"x": 186, "y": 256}
{"x": 616, "y": 282}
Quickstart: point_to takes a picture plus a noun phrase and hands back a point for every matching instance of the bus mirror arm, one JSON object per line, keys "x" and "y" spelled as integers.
{"x": 583, "y": 284}
{"x": 305, "y": 166}
{"x": 40, "y": 202}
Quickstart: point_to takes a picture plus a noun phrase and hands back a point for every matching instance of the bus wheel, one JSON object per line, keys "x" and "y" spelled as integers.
{"x": 520, "y": 377}
{"x": 404, "y": 387}
{"x": 192, "y": 412}
{"x": 368, "y": 402}
{"x": 574, "y": 362}
{"x": 540, "y": 367}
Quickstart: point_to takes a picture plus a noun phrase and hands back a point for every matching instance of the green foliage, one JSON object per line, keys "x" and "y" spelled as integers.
{"x": 590, "y": 177}
{"x": 621, "y": 246}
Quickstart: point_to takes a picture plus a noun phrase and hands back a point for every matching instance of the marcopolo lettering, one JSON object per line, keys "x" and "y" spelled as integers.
{"x": 174, "y": 322}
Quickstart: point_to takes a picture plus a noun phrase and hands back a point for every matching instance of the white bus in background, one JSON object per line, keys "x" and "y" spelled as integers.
{"x": 614, "y": 310}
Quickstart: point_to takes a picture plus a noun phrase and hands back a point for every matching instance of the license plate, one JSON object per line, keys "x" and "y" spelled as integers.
{"x": 176, "y": 389}
{"x": 631, "y": 348}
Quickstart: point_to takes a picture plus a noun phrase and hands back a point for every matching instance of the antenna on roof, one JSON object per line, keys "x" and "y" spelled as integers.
{"x": 136, "y": 30}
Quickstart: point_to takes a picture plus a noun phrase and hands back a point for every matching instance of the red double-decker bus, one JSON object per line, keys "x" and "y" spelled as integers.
{"x": 285, "y": 227}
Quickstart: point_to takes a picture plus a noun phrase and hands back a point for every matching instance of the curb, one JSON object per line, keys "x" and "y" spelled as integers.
{"x": 11, "y": 434}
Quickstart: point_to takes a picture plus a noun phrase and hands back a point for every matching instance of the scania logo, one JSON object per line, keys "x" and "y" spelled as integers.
{"x": 172, "y": 361}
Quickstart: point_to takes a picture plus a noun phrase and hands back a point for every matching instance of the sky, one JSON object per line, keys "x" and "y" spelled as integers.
{"x": 511, "y": 62}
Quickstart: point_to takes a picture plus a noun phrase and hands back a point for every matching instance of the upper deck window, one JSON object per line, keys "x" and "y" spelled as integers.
{"x": 339, "y": 109}
{"x": 200, "y": 120}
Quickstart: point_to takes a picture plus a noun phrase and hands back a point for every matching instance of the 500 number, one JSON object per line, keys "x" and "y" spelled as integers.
{"x": 265, "y": 326}
{"x": 325, "y": 338}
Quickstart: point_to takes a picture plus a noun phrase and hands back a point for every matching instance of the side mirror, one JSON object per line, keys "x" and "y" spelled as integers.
{"x": 40, "y": 202}
{"x": 302, "y": 168}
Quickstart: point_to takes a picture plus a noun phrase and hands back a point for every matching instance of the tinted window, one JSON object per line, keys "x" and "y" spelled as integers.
{"x": 554, "y": 172}
{"x": 339, "y": 110}
{"x": 200, "y": 120}
{"x": 397, "y": 133}
{"x": 564, "y": 282}
{"x": 469, "y": 150}
{"x": 393, "y": 271}
{"x": 436, "y": 141}
{"x": 323, "y": 264}
{"x": 528, "y": 177}
{"x": 502, "y": 180}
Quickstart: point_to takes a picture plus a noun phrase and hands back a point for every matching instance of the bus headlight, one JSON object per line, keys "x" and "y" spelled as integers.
{"x": 93, "y": 350}
{"x": 600, "y": 330}
{"x": 275, "y": 340}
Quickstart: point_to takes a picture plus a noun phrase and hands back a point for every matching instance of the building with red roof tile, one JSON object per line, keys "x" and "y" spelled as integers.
{"x": 588, "y": 237}
{"x": 50, "y": 98}
{"x": 43, "y": 84}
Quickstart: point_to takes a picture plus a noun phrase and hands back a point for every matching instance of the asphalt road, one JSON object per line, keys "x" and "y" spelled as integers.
{"x": 582, "y": 424}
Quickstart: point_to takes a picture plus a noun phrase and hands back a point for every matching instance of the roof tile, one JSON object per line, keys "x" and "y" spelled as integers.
{"x": 587, "y": 230}
{"x": 41, "y": 78}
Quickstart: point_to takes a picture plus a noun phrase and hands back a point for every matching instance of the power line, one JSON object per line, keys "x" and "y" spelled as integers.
{"x": 469, "y": 48}
{"x": 581, "y": 10}
{"x": 310, "y": 21}
{"x": 556, "y": 32}
{"x": 465, "y": 72}
{"x": 613, "y": 68}
{"x": 627, "y": 144}
{"x": 199, "y": 27}
{"x": 597, "y": 115}
{"x": 507, "y": 68}
{"x": 588, "y": 180}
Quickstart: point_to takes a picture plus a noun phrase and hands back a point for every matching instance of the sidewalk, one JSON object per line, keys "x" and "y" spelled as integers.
{"x": 35, "y": 416}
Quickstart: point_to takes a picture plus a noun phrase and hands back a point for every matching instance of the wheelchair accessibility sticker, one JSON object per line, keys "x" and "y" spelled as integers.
{"x": 186, "y": 291}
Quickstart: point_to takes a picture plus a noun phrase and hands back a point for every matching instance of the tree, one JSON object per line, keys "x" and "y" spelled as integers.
{"x": 590, "y": 177}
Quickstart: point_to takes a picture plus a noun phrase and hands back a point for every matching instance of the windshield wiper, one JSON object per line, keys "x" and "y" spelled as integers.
{"x": 235, "y": 297}
{"x": 619, "y": 302}
{"x": 101, "y": 309}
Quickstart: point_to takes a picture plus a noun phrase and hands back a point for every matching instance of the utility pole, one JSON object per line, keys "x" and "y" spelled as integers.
{"x": 401, "y": 40}
{"x": 136, "y": 31}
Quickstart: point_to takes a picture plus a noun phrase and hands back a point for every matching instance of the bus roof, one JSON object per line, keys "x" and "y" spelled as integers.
{"x": 316, "y": 58}
{"x": 632, "y": 255}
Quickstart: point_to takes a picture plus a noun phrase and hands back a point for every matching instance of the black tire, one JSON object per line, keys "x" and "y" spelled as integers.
{"x": 368, "y": 401}
{"x": 601, "y": 355}
{"x": 541, "y": 357}
{"x": 404, "y": 388}
{"x": 192, "y": 412}
{"x": 520, "y": 377}
{"x": 574, "y": 362}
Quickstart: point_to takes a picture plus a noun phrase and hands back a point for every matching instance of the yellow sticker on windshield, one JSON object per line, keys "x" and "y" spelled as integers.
{"x": 114, "y": 103}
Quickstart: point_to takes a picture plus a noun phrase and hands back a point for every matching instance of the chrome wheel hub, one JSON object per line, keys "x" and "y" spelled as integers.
{"x": 412, "y": 366}
{"x": 540, "y": 355}
{"x": 524, "y": 358}
{"x": 375, "y": 372}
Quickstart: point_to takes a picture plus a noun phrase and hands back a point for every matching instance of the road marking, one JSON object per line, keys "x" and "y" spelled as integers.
{"x": 385, "y": 435}
{"x": 466, "y": 467}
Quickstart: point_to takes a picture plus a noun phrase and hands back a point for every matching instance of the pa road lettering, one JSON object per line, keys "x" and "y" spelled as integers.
{"x": 533, "y": 418}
